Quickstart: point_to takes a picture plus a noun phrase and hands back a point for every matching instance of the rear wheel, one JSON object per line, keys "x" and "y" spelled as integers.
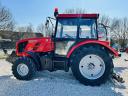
{"x": 91, "y": 66}
{"x": 23, "y": 68}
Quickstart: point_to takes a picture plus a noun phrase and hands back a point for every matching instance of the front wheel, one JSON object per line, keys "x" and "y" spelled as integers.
{"x": 91, "y": 66}
{"x": 23, "y": 68}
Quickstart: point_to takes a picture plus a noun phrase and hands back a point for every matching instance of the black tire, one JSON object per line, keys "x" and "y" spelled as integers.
{"x": 75, "y": 61}
{"x": 30, "y": 64}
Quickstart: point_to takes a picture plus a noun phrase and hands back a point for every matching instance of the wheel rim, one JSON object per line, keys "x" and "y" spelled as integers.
{"x": 22, "y": 69}
{"x": 92, "y": 66}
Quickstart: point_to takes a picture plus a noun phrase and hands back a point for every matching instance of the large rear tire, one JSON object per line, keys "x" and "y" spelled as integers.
{"x": 23, "y": 68}
{"x": 91, "y": 66}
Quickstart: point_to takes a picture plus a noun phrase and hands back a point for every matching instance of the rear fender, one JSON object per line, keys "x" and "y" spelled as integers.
{"x": 102, "y": 43}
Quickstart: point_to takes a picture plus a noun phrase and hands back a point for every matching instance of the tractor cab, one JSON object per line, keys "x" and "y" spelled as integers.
{"x": 73, "y": 28}
{"x": 76, "y": 26}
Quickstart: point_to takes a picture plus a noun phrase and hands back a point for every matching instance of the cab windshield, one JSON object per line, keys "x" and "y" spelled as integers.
{"x": 68, "y": 28}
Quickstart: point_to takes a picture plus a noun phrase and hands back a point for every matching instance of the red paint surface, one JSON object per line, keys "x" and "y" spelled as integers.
{"x": 36, "y": 45}
{"x": 103, "y": 43}
{"x": 78, "y": 15}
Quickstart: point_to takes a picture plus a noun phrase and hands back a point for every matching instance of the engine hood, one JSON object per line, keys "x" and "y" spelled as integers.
{"x": 44, "y": 44}
{"x": 33, "y": 39}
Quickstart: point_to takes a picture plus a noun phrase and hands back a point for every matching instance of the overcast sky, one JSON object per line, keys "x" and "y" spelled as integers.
{"x": 36, "y": 11}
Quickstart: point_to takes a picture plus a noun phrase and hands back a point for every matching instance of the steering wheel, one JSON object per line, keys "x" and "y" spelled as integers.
{"x": 66, "y": 35}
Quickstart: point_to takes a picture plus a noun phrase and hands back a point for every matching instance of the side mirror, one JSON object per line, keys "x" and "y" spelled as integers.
{"x": 49, "y": 26}
{"x": 47, "y": 23}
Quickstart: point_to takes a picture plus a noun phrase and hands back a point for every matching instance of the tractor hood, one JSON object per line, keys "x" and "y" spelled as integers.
{"x": 43, "y": 44}
{"x": 32, "y": 39}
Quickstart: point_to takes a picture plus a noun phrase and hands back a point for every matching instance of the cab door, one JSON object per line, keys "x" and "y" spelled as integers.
{"x": 66, "y": 35}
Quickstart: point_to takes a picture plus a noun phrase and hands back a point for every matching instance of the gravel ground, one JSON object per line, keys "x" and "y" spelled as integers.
{"x": 60, "y": 83}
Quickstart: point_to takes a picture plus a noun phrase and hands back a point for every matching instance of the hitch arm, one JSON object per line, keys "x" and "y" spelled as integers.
{"x": 118, "y": 78}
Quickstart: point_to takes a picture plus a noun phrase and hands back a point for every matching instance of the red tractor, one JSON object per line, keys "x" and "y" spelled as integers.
{"x": 75, "y": 43}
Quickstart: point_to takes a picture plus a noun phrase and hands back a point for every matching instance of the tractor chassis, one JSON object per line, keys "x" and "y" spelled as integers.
{"x": 54, "y": 63}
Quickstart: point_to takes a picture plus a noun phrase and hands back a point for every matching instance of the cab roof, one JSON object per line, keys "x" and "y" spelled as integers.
{"x": 96, "y": 16}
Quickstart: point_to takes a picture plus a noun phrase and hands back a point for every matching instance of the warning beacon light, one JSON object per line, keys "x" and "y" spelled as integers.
{"x": 56, "y": 12}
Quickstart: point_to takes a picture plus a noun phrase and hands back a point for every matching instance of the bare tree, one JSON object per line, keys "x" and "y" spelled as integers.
{"x": 46, "y": 29}
{"x": 6, "y": 20}
{"x": 21, "y": 29}
{"x": 41, "y": 28}
{"x": 119, "y": 30}
{"x": 24, "y": 31}
{"x": 77, "y": 11}
{"x": 104, "y": 19}
{"x": 29, "y": 28}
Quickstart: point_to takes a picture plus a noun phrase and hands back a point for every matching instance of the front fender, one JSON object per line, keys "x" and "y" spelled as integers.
{"x": 35, "y": 57}
{"x": 102, "y": 43}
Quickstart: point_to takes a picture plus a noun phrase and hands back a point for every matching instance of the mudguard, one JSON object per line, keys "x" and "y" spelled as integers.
{"x": 35, "y": 58}
{"x": 102, "y": 43}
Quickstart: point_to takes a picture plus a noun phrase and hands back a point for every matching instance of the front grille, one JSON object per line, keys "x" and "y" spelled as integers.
{"x": 21, "y": 46}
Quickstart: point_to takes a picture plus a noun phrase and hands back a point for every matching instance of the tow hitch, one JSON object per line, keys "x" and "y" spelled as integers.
{"x": 118, "y": 78}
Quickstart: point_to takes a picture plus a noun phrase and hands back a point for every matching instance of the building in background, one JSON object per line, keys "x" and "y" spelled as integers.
{"x": 8, "y": 39}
